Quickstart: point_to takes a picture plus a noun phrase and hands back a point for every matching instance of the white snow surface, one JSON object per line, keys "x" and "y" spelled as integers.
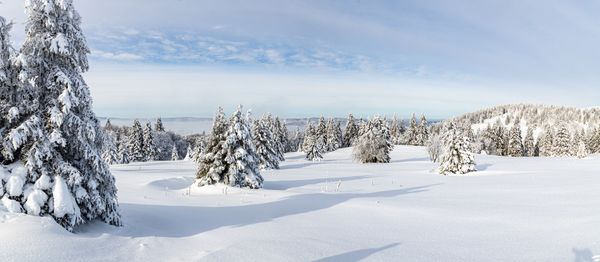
{"x": 512, "y": 209}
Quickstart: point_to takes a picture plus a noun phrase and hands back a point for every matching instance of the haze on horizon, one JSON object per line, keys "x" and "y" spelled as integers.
{"x": 311, "y": 58}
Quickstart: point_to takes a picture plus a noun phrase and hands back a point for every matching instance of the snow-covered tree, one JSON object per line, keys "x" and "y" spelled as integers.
{"x": 108, "y": 126}
{"x": 581, "y": 150}
{"x": 396, "y": 132}
{"x": 313, "y": 144}
{"x": 241, "y": 158}
{"x": 422, "y": 132}
{"x": 529, "y": 143}
{"x": 110, "y": 153}
{"x": 135, "y": 144}
{"x": 434, "y": 147}
{"x": 333, "y": 136}
{"x": 546, "y": 143}
{"x": 8, "y": 81}
{"x": 159, "y": 125}
{"x": 515, "y": 142}
{"x": 265, "y": 145}
{"x": 562, "y": 142}
{"x": 412, "y": 133}
{"x": 174, "y": 154}
{"x": 188, "y": 153}
{"x": 456, "y": 158}
{"x": 122, "y": 149}
{"x": 212, "y": 164}
{"x": 55, "y": 134}
{"x": 149, "y": 148}
{"x": 375, "y": 144}
{"x": 351, "y": 131}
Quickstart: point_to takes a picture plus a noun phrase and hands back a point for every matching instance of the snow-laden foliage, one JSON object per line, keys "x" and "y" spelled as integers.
{"x": 456, "y": 158}
{"x": 434, "y": 147}
{"x": 110, "y": 151}
{"x": 212, "y": 164}
{"x": 515, "y": 142}
{"x": 135, "y": 143}
{"x": 266, "y": 147}
{"x": 159, "y": 127}
{"x": 333, "y": 135}
{"x": 313, "y": 144}
{"x": 148, "y": 149}
{"x": 351, "y": 131}
{"x": 412, "y": 133}
{"x": 53, "y": 137}
{"x": 374, "y": 145}
{"x": 174, "y": 154}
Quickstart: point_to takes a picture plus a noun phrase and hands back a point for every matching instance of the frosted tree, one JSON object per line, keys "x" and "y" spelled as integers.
{"x": 149, "y": 148}
{"x": 581, "y": 150}
{"x": 122, "y": 149}
{"x": 456, "y": 158}
{"x": 434, "y": 147}
{"x": 333, "y": 136}
{"x": 351, "y": 131}
{"x": 108, "y": 126}
{"x": 241, "y": 158}
{"x": 529, "y": 143}
{"x": 412, "y": 133}
{"x": 279, "y": 137}
{"x": 110, "y": 154}
{"x": 174, "y": 154}
{"x": 159, "y": 125}
{"x": 396, "y": 132}
{"x": 422, "y": 131}
{"x": 265, "y": 145}
{"x": 135, "y": 144}
{"x": 375, "y": 144}
{"x": 53, "y": 131}
{"x": 546, "y": 143}
{"x": 515, "y": 144}
{"x": 313, "y": 144}
{"x": 212, "y": 164}
{"x": 563, "y": 142}
{"x": 188, "y": 153}
{"x": 8, "y": 80}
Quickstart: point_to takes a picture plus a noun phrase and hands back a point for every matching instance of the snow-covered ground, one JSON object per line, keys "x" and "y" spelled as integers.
{"x": 513, "y": 209}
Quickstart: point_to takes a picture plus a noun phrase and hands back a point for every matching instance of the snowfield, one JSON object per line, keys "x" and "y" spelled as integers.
{"x": 513, "y": 209}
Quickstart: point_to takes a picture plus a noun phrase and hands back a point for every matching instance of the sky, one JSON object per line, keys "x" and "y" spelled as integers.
{"x": 176, "y": 58}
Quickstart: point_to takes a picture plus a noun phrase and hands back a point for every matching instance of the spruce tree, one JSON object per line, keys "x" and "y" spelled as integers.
{"x": 332, "y": 141}
{"x": 457, "y": 159}
{"x": 312, "y": 144}
{"x": 546, "y": 143}
{"x": 412, "y": 134}
{"x": 55, "y": 135}
{"x": 395, "y": 132}
{"x": 280, "y": 138}
{"x": 159, "y": 125}
{"x": 375, "y": 144}
{"x": 562, "y": 145}
{"x": 265, "y": 145}
{"x": 174, "y": 154}
{"x": 515, "y": 144}
{"x": 149, "y": 148}
{"x": 110, "y": 154}
{"x": 135, "y": 144}
{"x": 108, "y": 126}
{"x": 122, "y": 149}
{"x": 529, "y": 143}
{"x": 212, "y": 164}
{"x": 422, "y": 132}
{"x": 350, "y": 132}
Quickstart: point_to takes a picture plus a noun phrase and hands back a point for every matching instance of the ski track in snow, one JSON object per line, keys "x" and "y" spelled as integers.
{"x": 512, "y": 209}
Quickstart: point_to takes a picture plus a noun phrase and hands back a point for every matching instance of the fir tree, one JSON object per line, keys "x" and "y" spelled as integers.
{"x": 265, "y": 145}
{"x": 122, "y": 149}
{"x": 174, "y": 154}
{"x": 212, "y": 164}
{"x": 396, "y": 132}
{"x": 562, "y": 145}
{"x": 333, "y": 138}
{"x": 135, "y": 144}
{"x": 375, "y": 144}
{"x": 159, "y": 125}
{"x": 241, "y": 158}
{"x": 351, "y": 131}
{"x": 456, "y": 158}
{"x": 422, "y": 132}
{"x": 110, "y": 154}
{"x": 529, "y": 143}
{"x": 56, "y": 135}
{"x": 313, "y": 144}
{"x": 581, "y": 150}
{"x": 412, "y": 134}
{"x": 149, "y": 148}
{"x": 515, "y": 144}
{"x": 546, "y": 143}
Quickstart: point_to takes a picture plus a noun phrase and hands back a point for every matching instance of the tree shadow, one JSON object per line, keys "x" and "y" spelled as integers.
{"x": 302, "y": 156}
{"x": 416, "y": 159}
{"x": 584, "y": 255}
{"x": 483, "y": 167}
{"x": 357, "y": 255}
{"x": 183, "y": 221}
{"x": 287, "y": 184}
{"x": 298, "y": 165}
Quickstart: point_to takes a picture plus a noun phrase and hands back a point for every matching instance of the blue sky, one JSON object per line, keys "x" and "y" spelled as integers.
{"x": 307, "y": 58}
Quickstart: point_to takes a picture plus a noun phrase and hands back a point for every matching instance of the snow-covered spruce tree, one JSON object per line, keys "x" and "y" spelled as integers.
{"x": 412, "y": 134}
{"x": 241, "y": 158}
{"x": 351, "y": 131}
{"x": 333, "y": 136}
{"x": 313, "y": 145}
{"x": 529, "y": 143}
{"x": 422, "y": 131}
{"x": 515, "y": 144}
{"x": 56, "y": 139}
{"x": 375, "y": 144}
{"x": 456, "y": 158}
{"x": 395, "y": 131}
{"x": 159, "y": 125}
{"x": 108, "y": 126}
{"x": 135, "y": 144}
{"x": 174, "y": 154}
{"x": 212, "y": 164}
{"x": 434, "y": 147}
{"x": 110, "y": 154}
{"x": 122, "y": 150}
{"x": 321, "y": 131}
{"x": 8, "y": 81}
{"x": 265, "y": 145}
{"x": 188, "y": 153}
{"x": 199, "y": 149}
{"x": 581, "y": 150}
{"x": 279, "y": 137}
{"x": 562, "y": 142}
{"x": 149, "y": 148}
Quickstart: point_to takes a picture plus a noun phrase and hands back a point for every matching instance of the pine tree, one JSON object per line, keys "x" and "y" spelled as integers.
{"x": 159, "y": 125}
{"x": 333, "y": 139}
{"x": 375, "y": 144}
{"x": 56, "y": 135}
{"x": 174, "y": 154}
{"x": 456, "y": 158}
{"x": 149, "y": 148}
{"x": 241, "y": 158}
{"x": 546, "y": 143}
{"x": 529, "y": 143}
{"x": 122, "y": 149}
{"x": 265, "y": 145}
{"x": 350, "y": 132}
{"x": 396, "y": 132}
{"x": 422, "y": 132}
{"x": 313, "y": 144}
{"x": 412, "y": 134}
{"x": 515, "y": 144}
{"x": 110, "y": 154}
{"x": 135, "y": 144}
{"x": 562, "y": 145}
{"x": 212, "y": 164}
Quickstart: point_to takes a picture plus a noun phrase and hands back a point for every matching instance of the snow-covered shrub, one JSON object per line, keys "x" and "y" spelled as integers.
{"x": 456, "y": 158}
{"x": 434, "y": 147}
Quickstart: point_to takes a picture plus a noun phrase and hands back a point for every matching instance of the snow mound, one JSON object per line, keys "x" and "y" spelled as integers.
{"x": 173, "y": 183}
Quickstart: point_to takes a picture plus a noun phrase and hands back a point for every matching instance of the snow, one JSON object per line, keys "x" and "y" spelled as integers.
{"x": 512, "y": 209}
{"x": 14, "y": 184}
{"x": 64, "y": 204}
